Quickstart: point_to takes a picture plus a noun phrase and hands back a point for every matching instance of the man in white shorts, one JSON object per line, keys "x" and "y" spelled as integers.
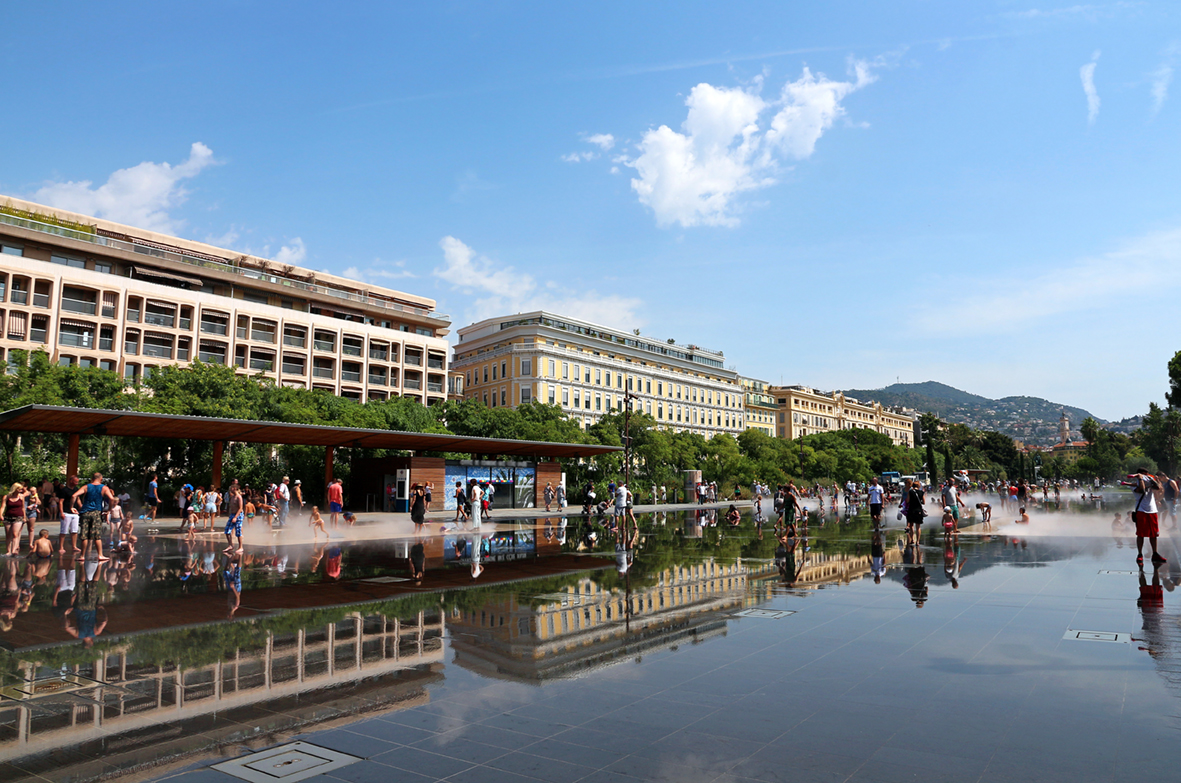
{"x": 69, "y": 512}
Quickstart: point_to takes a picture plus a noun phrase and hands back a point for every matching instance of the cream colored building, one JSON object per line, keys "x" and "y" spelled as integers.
{"x": 805, "y": 411}
{"x": 587, "y": 369}
{"x": 759, "y": 404}
{"x": 95, "y": 293}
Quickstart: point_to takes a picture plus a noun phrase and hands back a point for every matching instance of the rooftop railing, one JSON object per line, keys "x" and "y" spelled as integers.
{"x": 220, "y": 266}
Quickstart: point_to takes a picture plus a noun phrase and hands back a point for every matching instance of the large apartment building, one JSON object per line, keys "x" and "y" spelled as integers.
{"x": 761, "y": 406}
{"x": 805, "y": 411}
{"x": 587, "y": 369}
{"x": 95, "y": 293}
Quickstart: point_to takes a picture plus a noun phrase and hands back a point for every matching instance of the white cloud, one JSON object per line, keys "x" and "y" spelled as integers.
{"x": 1162, "y": 77}
{"x": 140, "y": 196}
{"x": 1089, "y": 12}
{"x": 501, "y": 290}
{"x": 293, "y": 254}
{"x": 379, "y": 272}
{"x": 1143, "y": 270}
{"x": 469, "y": 183}
{"x": 578, "y": 157}
{"x": 692, "y": 177}
{"x": 604, "y": 141}
{"x": 1087, "y": 74}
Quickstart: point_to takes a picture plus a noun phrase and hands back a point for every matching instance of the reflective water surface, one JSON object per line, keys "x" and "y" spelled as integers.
{"x": 699, "y": 652}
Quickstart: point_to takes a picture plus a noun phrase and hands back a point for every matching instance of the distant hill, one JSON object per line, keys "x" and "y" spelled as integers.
{"x": 1030, "y": 419}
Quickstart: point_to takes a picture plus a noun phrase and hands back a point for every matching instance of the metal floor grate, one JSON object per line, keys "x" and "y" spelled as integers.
{"x": 1111, "y": 637}
{"x": 286, "y": 763}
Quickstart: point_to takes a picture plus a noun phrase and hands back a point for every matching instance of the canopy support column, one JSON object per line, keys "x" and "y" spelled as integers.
{"x": 329, "y": 451}
{"x": 72, "y": 456}
{"x": 218, "y": 450}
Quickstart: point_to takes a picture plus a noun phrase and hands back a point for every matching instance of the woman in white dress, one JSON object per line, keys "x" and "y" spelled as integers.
{"x": 476, "y": 496}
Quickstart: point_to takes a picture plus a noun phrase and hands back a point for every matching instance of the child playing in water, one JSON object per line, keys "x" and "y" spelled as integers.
{"x": 249, "y": 512}
{"x": 1024, "y": 520}
{"x": 317, "y": 524}
{"x": 949, "y": 523}
{"x": 985, "y": 515}
{"x": 42, "y": 547}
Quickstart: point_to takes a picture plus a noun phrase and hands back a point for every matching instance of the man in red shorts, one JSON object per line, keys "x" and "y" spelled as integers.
{"x": 1145, "y": 486}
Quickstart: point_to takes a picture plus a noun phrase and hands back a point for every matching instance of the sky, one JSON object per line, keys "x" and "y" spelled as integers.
{"x": 835, "y": 194}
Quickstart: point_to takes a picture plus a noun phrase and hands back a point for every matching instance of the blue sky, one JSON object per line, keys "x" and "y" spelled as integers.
{"x": 836, "y": 194}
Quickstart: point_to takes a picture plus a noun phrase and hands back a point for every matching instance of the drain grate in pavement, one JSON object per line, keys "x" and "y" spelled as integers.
{"x": 1111, "y": 637}
{"x": 286, "y": 763}
{"x": 1121, "y": 573}
{"x": 765, "y": 614}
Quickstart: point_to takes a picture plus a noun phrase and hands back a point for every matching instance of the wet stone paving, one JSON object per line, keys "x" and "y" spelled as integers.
{"x": 1028, "y": 652}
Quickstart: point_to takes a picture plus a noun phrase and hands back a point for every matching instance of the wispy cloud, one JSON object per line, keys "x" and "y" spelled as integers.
{"x": 140, "y": 196}
{"x": 1143, "y": 270}
{"x": 469, "y": 184}
{"x": 604, "y": 141}
{"x": 1162, "y": 77}
{"x": 1087, "y": 75}
{"x": 379, "y": 272}
{"x": 734, "y": 141}
{"x": 500, "y": 289}
{"x": 1088, "y": 12}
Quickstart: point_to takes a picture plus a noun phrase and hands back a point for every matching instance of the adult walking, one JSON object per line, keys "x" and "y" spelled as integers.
{"x": 874, "y": 496}
{"x": 418, "y": 506}
{"x": 69, "y": 516}
{"x": 14, "y": 518}
{"x": 548, "y": 495}
{"x": 283, "y": 498}
{"x": 152, "y": 499}
{"x": 236, "y": 509}
{"x": 335, "y": 501}
{"x": 914, "y": 507}
{"x": 91, "y": 497}
{"x": 475, "y": 501}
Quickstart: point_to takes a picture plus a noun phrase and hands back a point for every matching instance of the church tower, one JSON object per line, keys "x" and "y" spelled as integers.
{"x": 1064, "y": 429}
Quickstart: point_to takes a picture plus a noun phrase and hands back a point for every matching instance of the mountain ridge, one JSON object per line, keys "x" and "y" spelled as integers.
{"x": 1033, "y": 420}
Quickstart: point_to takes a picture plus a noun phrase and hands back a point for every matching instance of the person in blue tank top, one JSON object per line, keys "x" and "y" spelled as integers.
{"x": 91, "y": 498}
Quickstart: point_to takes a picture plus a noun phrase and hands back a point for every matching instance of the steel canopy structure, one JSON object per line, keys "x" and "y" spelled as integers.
{"x": 76, "y": 422}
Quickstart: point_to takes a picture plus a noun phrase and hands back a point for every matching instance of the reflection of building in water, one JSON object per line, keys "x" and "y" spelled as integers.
{"x": 132, "y": 714}
{"x": 819, "y": 569}
{"x": 586, "y": 626}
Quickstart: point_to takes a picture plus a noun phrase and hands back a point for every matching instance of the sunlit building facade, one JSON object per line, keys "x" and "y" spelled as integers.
{"x": 805, "y": 411}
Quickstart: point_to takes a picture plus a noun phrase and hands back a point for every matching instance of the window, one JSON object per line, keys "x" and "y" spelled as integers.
{"x": 106, "y": 338}
{"x": 598, "y": 377}
{"x": 586, "y": 373}
{"x": 243, "y": 327}
{"x": 565, "y": 370}
{"x": 131, "y": 372}
{"x": 660, "y": 411}
{"x": 263, "y": 331}
{"x": 503, "y": 370}
{"x": 494, "y": 372}
{"x": 588, "y": 401}
{"x": 607, "y": 378}
{"x": 214, "y": 323}
{"x": 577, "y": 397}
{"x": 323, "y": 368}
{"x": 503, "y": 397}
{"x": 526, "y": 367}
{"x": 160, "y": 313}
{"x": 350, "y": 371}
{"x": 77, "y": 263}
{"x": 294, "y": 364}
{"x": 324, "y": 341}
{"x": 255, "y": 297}
{"x": 110, "y": 304}
{"x": 526, "y": 395}
{"x": 158, "y": 345}
{"x": 102, "y": 266}
{"x": 598, "y": 402}
{"x": 414, "y": 356}
{"x": 9, "y": 249}
{"x": 66, "y": 361}
{"x": 295, "y": 336}
{"x": 379, "y": 351}
{"x": 182, "y": 349}
{"x": 619, "y": 380}
{"x": 39, "y": 330}
{"x": 553, "y": 395}
{"x": 106, "y": 364}
{"x": 552, "y": 367}
{"x": 485, "y": 373}
{"x": 20, "y": 290}
{"x": 377, "y": 376}
{"x": 77, "y": 334}
{"x": 262, "y": 361}
{"x": 352, "y": 346}
{"x": 131, "y": 342}
{"x": 659, "y": 389}
{"x": 42, "y": 291}
{"x": 211, "y": 352}
{"x": 77, "y": 300}
{"x": 435, "y": 361}
{"x": 565, "y": 397}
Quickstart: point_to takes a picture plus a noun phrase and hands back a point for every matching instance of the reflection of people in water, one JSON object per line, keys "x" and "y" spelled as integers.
{"x": 877, "y": 556}
{"x": 952, "y": 562}
{"x": 232, "y": 575}
{"x": 474, "y": 553}
{"x": 1152, "y": 605}
{"x": 417, "y": 561}
{"x": 625, "y": 547}
{"x": 86, "y": 619}
{"x": 916, "y": 574}
{"x": 785, "y": 558}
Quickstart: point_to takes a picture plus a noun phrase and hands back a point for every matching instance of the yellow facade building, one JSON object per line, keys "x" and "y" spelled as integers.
{"x": 759, "y": 404}
{"x": 801, "y": 411}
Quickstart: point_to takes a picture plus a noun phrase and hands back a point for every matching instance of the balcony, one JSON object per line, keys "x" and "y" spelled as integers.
{"x": 20, "y": 297}
{"x": 412, "y": 384}
{"x": 71, "y": 305}
{"x": 295, "y": 340}
{"x": 106, "y": 343}
{"x": 324, "y": 345}
{"x": 353, "y": 376}
{"x": 159, "y": 319}
{"x": 377, "y": 379}
{"x": 77, "y": 339}
{"x": 434, "y": 387}
{"x": 414, "y": 360}
{"x": 380, "y": 354}
{"x": 42, "y": 300}
{"x": 214, "y": 327}
{"x": 291, "y": 368}
{"x": 158, "y": 351}
{"x": 323, "y": 372}
{"x": 262, "y": 365}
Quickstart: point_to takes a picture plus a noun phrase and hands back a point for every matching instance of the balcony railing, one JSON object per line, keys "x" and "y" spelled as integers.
{"x": 294, "y": 369}
{"x": 350, "y": 375}
{"x": 221, "y": 266}
{"x": 381, "y": 354}
{"x": 434, "y": 387}
{"x": 186, "y": 323}
{"x": 73, "y": 305}
{"x": 434, "y": 364}
{"x": 350, "y": 350}
{"x": 20, "y": 297}
{"x": 413, "y": 360}
{"x": 263, "y": 365}
{"x": 323, "y": 372}
{"x": 159, "y": 319}
{"x": 159, "y": 351}
{"x": 294, "y": 340}
{"x": 262, "y": 336}
{"x": 77, "y": 339}
{"x": 214, "y": 327}
{"x": 106, "y": 344}
{"x": 409, "y": 384}
{"x": 39, "y": 335}
{"x": 376, "y": 380}
{"x": 42, "y": 300}
{"x": 323, "y": 345}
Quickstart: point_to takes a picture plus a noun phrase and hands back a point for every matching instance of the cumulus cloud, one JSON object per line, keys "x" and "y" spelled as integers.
{"x": 733, "y": 141}
{"x": 1087, "y": 74}
{"x": 293, "y": 254}
{"x": 500, "y": 289}
{"x": 140, "y": 196}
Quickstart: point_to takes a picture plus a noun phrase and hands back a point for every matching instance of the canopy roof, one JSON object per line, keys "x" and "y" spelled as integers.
{"x": 135, "y": 424}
